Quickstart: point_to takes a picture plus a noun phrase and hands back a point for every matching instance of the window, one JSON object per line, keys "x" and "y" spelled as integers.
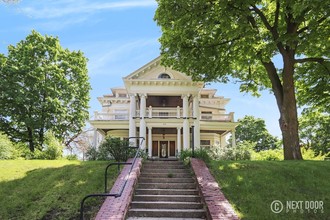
{"x": 207, "y": 115}
{"x": 164, "y": 76}
{"x": 205, "y": 142}
{"x": 203, "y": 96}
{"x": 122, "y": 95}
{"x": 121, "y": 115}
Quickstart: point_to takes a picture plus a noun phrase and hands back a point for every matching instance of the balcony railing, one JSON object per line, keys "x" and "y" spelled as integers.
{"x": 162, "y": 113}
{"x": 104, "y": 116}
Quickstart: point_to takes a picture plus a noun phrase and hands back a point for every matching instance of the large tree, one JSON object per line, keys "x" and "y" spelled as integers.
{"x": 215, "y": 40}
{"x": 254, "y": 130}
{"x": 43, "y": 87}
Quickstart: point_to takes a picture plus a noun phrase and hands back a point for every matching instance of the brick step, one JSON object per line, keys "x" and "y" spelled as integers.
{"x": 166, "y": 186}
{"x": 167, "y": 213}
{"x": 162, "y": 166}
{"x": 165, "y": 170}
{"x": 166, "y": 180}
{"x": 165, "y": 175}
{"x": 165, "y": 205}
{"x": 168, "y": 198}
{"x": 160, "y": 218}
{"x": 166, "y": 192}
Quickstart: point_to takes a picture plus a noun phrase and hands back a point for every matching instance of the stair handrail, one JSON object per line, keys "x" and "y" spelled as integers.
{"x": 116, "y": 195}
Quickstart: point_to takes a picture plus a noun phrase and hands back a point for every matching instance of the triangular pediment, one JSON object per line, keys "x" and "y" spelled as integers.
{"x": 155, "y": 71}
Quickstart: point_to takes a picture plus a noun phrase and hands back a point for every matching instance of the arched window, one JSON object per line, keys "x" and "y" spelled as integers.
{"x": 164, "y": 76}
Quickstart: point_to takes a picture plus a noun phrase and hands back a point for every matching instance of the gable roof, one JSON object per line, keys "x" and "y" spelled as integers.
{"x": 153, "y": 70}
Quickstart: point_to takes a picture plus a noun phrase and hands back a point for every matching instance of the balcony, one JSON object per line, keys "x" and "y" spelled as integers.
{"x": 162, "y": 113}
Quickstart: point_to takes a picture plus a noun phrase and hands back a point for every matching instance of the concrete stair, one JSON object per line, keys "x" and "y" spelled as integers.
{"x": 166, "y": 190}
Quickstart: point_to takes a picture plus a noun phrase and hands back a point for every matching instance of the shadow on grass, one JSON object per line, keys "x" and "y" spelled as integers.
{"x": 54, "y": 193}
{"x": 252, "y": 186}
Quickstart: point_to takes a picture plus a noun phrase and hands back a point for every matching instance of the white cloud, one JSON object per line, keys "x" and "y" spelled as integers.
{"x": 57, "y": 9}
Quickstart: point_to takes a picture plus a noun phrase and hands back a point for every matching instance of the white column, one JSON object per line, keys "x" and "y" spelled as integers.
{"x": 186, "y": 133}
{"x": 150, "y": 111}
{"x": 143, "y": 132}
{"x": 223, "y": 141}
{"x": 185, "y": 106}
{"x": 233, "y": 138}
{"x": 149, "y": 141}
{"x": 178, "y": 140}
{"x": 95, "y": 138}
{"x": 132, "y": 127}
{"x": 196, "y": 113}
{"x": 178, "y": 112}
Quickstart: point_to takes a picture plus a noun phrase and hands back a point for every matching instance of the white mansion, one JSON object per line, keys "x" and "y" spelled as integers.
{"x": 168, "y": 109}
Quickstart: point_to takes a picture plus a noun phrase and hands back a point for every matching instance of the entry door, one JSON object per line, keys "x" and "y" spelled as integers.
{"x": 172, "y": 148}
{"x": 163, "y": 149}
{"x": 155, "y": 148}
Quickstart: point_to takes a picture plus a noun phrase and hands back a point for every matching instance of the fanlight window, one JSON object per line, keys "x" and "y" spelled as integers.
{"x": 164, "y": 76}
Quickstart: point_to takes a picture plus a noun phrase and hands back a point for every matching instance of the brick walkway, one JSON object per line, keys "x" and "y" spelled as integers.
{"x": 217, "y": 204}
{"x": 116, "y": 208}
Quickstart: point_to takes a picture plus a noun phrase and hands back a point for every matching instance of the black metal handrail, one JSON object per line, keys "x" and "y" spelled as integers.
{"x": 116, "y": 195}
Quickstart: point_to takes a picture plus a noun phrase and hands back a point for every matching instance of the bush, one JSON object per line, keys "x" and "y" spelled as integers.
{"x": 112, "y": 148}
{"x": 72, "y": 157}
{"x": 200, "y": 153}
{"x": 7, "y": 148}
{"x": 242, "y": 151}
{"x": 53, "y": 148}
{"x": 276, "y": 154}
{"x": 309, "y": 154}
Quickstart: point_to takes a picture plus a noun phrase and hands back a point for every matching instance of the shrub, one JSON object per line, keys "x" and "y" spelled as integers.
{"x": 276, "y": 154}
{"x": 72, "y": 157}
{"x": 242, "y": 151}
{"x": 114, "y": 148}
{"x": 92, "y": 153}
{"x": 309, "y": 154}
{"x": 6, "y": 148}
{"x": 53, "y": 148}
{"x": 200, "y": 153}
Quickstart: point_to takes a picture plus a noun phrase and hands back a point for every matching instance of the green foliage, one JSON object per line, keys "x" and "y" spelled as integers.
{"x": 242, "y": 151}
{"x": 309, "y": 154}
{"x": 112, "y": 148}
{"x": 53, "y": 149}
{"x": 43, "y": 87}
{"x": 276, "y": 154}
{"x": 72, "y": 157}
{"x": 239, "y": 40}
{"x": 251, "y": 186}
{"x": 254, "y": 130}
{"x": 314, "y": 127}
{"x": 6, "y": 148}
{"x": 51, "y": 189}
{"x": 200, "y": 153}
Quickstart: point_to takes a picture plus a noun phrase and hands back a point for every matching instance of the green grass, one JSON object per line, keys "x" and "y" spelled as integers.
{"x": 251, "y": 187}
{"x": 50, "y": 189}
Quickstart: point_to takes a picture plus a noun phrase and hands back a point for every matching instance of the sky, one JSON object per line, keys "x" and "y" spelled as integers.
{"x": 117, "y": 37}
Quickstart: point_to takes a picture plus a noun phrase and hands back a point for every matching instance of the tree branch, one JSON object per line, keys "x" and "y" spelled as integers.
{"x": 307, "y": 27}
{"x": 277, "y": 12}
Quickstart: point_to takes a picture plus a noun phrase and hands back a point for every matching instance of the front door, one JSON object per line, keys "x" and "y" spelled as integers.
{"x": 163, "y": 149}
{"x": 155, "y": 148}
{"x": 172, "y": 148}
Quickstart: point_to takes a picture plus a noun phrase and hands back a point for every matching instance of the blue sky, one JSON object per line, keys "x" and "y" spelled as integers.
{"x": 117, "y": 37}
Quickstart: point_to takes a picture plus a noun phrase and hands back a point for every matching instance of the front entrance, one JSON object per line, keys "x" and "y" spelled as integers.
{"x": 163, "y": 149}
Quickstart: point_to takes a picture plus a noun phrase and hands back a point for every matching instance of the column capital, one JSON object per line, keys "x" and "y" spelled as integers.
{"x": 185, "y": 96}
{"x": 179, "y": 128}
{"x": 132, "y": 94}
{"x": 143, "y": 95}
{"x": 149, "y": 127}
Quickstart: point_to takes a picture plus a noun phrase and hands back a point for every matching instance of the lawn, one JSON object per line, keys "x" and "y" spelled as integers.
{"x": 252, "y": 186}
{"x": 50, "y": 189}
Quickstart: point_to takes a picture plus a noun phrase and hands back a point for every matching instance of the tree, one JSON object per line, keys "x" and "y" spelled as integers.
{"x": 212, "y": 40}
{"x": 253, "y": 129}
{"x": 6, "y": 147}
{"x": 43, "y": 87}
{"x": 314, "y": 131}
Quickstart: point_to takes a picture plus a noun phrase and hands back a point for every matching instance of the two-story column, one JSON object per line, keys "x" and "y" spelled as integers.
{"x": 149, "y": 141}
{"x": 186, "y": 135}
{"x": 196, "y": 115}
{"x": 132, "y": 127}
{"x": 178, "y": 140}
{"x": 233, "y": 138}
{"x": 143, "y": 132}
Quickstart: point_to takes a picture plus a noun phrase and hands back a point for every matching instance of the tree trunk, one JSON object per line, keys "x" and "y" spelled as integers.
{"x": 30, "y": 138}
{"x": 288, "y": 111}
{"x": 286, "y": 101}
